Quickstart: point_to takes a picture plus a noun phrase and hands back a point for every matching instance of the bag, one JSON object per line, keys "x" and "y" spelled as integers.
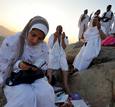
{"x": 25, "y": 76}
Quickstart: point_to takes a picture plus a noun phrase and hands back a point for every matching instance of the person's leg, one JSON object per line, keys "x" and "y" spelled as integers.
{"x": 73, "y": 71}
{"x": 44, "y": 93}
{"x": 65, "y": 81}
{"x": 49, "y": 75}
{"x": 20, "y": 96}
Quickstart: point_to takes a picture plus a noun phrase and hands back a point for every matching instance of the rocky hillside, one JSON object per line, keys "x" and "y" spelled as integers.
{"x": 97, "y": 83}
{"x": 5, "y": 32}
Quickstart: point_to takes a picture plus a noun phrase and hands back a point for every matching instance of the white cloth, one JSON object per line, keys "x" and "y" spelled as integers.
{"x": 113, "y": 29}
{"x": 90, "y": 51}
{"x": 37, "y": 94}
{"x": 41, "y": 27}
{"x": 82, "y": 25}
{"x": 7, "y": 53}
{"x": 57, "y": 57}
{"x": 108, "y": 25}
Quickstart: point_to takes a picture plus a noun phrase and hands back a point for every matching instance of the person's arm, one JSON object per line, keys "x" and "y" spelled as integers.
{"x": 22, "y": 65}
{"x": 63, "y": 40}
{"x": 111, "y": 16}
{"x": 82, "y": 37}
{"x": 51, "y": 42}
{"x": 56, "y": 35}
{"x": 79, "y": 22}
{"x": 102, "y": 33}
{"x": 6, "y": 57}
{"x": 103, "y": 16}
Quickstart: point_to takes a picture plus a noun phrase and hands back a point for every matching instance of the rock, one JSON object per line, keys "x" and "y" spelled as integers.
{"x": 97, "y": 83}
{"x": 106, "y": 54}
{"x": 2, "y": 98}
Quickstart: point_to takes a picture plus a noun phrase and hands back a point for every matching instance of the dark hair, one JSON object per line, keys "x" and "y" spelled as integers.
{"x": 97, "y": 11}
{"x": 109, "y": 6}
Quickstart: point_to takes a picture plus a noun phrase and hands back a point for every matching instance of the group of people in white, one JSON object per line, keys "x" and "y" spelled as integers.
{"x": 90, "y": 31}
{"x": 29, "y": 46}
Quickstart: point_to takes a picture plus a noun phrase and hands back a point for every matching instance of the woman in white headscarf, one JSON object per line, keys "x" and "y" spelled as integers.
{"x": 26, "y": 46}
{"x": 91, "y": 47}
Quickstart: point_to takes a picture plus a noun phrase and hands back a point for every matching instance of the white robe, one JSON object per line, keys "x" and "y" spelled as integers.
{"x": 38, "y": 94}
{"x": 82, "y": 25}
{"x": 113, "y": 29}
{"x": 57, "y": 57}
{"x": 108, "y": 25}
{"x": 90, "y": 51}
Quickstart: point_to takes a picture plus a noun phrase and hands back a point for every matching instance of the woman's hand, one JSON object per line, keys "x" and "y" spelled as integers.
{"x": 49, "y": 75}
{"x": 24, "y": 66}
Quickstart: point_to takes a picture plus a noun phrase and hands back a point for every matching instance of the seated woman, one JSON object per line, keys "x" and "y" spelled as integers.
{"x": 91, "y": 47}
{"x": 27, "y": 46}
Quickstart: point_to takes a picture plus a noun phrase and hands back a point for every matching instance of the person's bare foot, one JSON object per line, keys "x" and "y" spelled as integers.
{"x": 74, "y": 72}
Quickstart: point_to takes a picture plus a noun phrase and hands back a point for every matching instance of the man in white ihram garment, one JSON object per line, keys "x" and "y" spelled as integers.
{"x": 107, "y": 19}
{"x": 83, "y": 23}
{"x": 91, "y": 47}
{"x": 26, "y": 46}
{"x": 57, "y": 57}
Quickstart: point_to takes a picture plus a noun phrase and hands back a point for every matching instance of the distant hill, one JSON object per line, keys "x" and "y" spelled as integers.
{"x": 5, "y": 31}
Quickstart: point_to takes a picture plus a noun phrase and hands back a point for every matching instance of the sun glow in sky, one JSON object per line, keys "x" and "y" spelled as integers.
{"x": 14, "y": 14}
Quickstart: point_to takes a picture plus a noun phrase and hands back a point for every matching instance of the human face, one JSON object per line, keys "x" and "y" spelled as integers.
{"x": 35, "y": 36}
{"x": 59, "y": 29}
{"x": 98, "y": 12}
{"x": 96, "y": 23}
{"x": 109, "y": 7}
{"x": 85, "y": 11}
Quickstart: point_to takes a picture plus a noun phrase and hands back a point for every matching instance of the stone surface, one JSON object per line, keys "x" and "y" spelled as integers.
{"x": 97, "y": 83}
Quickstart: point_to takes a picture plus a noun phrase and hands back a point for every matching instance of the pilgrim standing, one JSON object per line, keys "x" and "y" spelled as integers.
{"x": 83, "y": 23}
{"x": 107, "y": 19}
{"x": 57, "y": 57}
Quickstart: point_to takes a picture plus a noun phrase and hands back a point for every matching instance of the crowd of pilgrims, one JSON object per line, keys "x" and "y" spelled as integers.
{"x": 26, "y": 53}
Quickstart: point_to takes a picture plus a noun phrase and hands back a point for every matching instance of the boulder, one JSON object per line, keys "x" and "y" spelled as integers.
{"x": 97, "y": 83}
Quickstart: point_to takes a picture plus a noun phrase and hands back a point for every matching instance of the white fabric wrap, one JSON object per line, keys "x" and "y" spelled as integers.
{"x": 41, "y": 27}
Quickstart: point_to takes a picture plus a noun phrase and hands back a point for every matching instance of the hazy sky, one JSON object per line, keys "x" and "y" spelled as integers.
{"x": 14, "y": 14}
